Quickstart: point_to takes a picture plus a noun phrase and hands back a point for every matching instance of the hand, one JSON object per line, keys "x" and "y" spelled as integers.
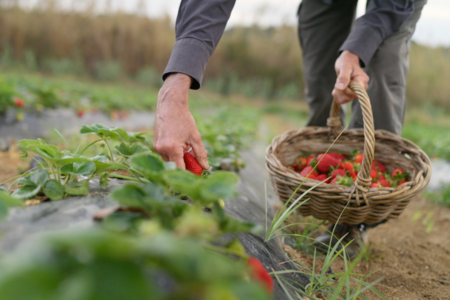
{"x": 348, "y": 68}
{"x": 175, "y": 129}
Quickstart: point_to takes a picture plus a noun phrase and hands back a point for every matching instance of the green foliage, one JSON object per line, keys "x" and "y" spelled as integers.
{"x": 7, "y": 94}
{"x": 108, "y": 70}
{"x": 96, "y": 264}
{"x": 441, "y": 197}
{"x": 7, "y": 201}
{"x": 164, "y": 232}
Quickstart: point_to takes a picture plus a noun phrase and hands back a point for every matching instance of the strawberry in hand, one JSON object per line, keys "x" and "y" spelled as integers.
{"x": 192, "y": 164}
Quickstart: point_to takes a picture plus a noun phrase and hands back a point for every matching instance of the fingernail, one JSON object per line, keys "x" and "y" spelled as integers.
{"x": 340, "y": 86}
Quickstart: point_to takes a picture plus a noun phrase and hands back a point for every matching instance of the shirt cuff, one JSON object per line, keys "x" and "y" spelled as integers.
{"x": 189, "y": 56}
{"x": 363, "y": 41}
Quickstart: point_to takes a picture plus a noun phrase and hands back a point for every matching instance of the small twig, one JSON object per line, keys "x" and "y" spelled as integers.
{"x": 439, "y": 280}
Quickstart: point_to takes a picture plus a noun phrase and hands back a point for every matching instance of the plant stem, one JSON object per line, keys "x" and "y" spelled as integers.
{"x": 109, "y": 149}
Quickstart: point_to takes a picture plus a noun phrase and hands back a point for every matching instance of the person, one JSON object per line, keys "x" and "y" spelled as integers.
{"x": 373, "y": 51}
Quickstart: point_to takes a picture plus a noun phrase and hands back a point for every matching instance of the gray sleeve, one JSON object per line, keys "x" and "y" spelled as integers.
{"x": 382, "y": 19}
{"x": 199, "y": 27}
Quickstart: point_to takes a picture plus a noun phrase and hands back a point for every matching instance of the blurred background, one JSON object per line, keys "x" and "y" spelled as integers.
{"x": 258, "y": 56}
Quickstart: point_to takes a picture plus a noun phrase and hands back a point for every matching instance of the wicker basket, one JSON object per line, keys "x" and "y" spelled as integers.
{"x": 359, "y": 203}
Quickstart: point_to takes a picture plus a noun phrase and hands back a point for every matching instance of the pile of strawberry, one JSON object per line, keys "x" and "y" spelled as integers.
{"x": 334, "y": 168}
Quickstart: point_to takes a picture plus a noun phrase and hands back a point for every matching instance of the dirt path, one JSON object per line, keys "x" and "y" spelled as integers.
{"x": 415, "y": 263}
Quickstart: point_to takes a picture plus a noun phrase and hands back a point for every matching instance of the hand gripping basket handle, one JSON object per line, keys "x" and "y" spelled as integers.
{"x": 364, "y": 180}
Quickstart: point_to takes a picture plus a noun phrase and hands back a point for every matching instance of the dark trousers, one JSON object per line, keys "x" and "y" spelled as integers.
{"x": 322, "y": 29}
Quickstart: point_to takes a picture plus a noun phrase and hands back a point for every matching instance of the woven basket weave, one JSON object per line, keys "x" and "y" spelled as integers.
{"x": 358, "y": 203}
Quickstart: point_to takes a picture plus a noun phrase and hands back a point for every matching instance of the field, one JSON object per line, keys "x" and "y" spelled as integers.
{"x": 237, "y": 126}
{"x": 92, "y": 211}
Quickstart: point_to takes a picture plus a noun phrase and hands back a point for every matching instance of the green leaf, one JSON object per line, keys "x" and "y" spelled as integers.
{"x": 184, "y": 182}
{"x": 27, "y": 192}
{"x": 84, "y": 168}
{"x": 129, "y": 195}
{"x": 39, "y": 177}
{"x": 154, "y": 191}
{"x": 54, "y": 190}
{"x": 213, "y": 162}
{"x": 68, "y": 158}
{"x": 26, "y": 181}
{"x": 220, "y": 185}
{"x": 49, "y": 152}
{"x": 148, "y": 163}
{"x": 7, "y": 201}
{"x": 129, "y": 150}
{"x": 104, "y": 166}
{"x": 77, "y": 188}
{"x": 93, "y": 129}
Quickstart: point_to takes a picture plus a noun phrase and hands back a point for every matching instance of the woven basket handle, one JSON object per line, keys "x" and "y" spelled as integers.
{"x": 364, "y": 180}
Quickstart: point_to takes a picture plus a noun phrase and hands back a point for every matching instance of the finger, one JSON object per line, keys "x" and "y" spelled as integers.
{"x": 345, "y": 96}
{"x": 343, "y": 79}
{"x": 177, "y": 157}
{"x": 362, "y": 80}
{"x": 200, "y": 153}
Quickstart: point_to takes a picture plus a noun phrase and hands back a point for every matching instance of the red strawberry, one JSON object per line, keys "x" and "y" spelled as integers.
{"x": 348, "y": 166}
{"x": 310, "y": 159}
{"x": 334, "y": 180}
{"x": 373, "y": 172}
{"x": 300, "y": 163}
{"x": 381, "y": 177}
{"x": 379, "y": 166}
{"x": 309, "y": 170}
{"x": 396, "y": 172}
{"x": 374, "y": 185}
{"x": 384, "y": 183}
{"x": 337, "y": 172}
{"x": 80, "y": 113}
{"x": 259, "y": 273}
{"x": 402, "y": 182}
{"x": 359, "y": 158}
{"x": 19, "y": 102}
{"x": 338, "y": 156}
{"x": 192, "y": 164}
{"x": 325, "y": 162}
{"x": 322, "y": 177}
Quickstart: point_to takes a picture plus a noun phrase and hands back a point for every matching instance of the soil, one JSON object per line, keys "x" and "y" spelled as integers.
{"x": 412, "y": 253}
{"x": 11, "y": 164}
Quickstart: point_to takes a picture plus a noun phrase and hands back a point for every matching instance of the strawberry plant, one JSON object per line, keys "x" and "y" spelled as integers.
{"x": 161, "y": 229}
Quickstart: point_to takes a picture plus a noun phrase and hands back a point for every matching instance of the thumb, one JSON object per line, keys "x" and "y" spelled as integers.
{"x": 343, "y": 79}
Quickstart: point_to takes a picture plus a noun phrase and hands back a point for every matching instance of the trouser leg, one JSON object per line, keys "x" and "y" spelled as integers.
{"x": 387, "y": 71}
{"x": 322, "y": 29}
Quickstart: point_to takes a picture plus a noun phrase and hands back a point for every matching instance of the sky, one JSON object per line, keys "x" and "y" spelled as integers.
{"x": 432, "y": 29}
